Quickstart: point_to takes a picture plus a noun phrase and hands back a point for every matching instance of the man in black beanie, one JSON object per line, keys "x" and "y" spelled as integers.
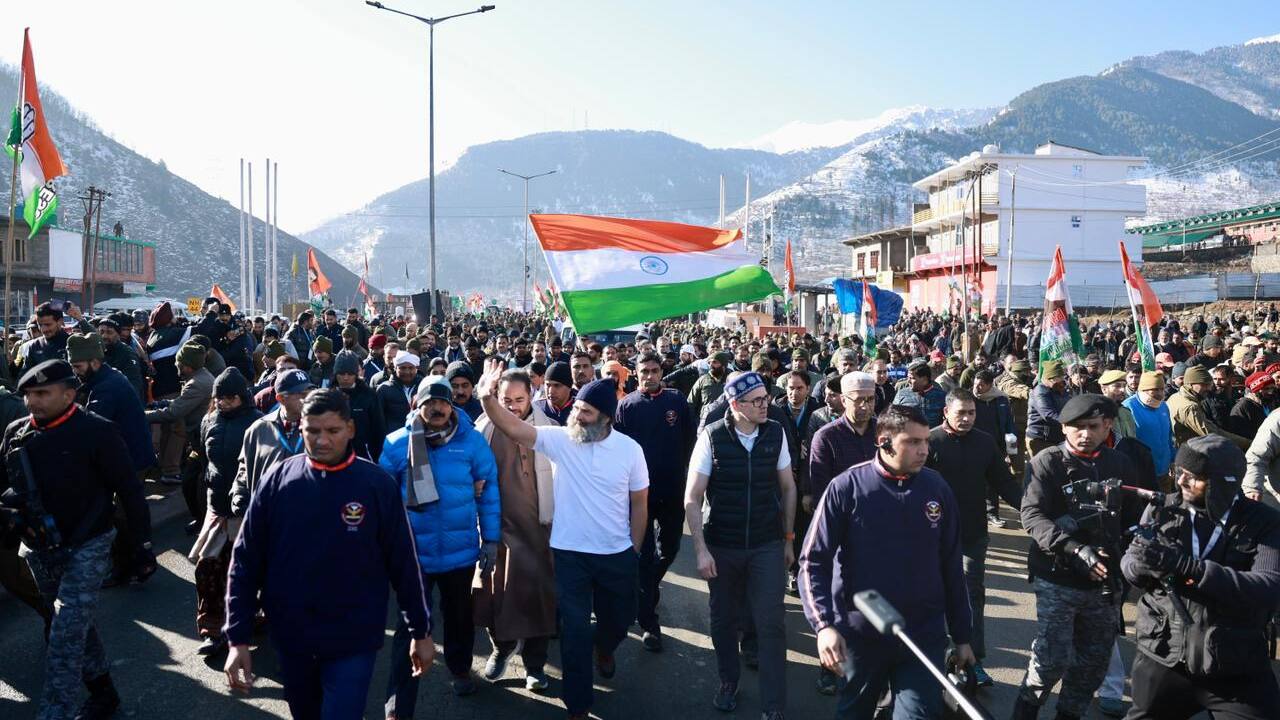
{"x": 462, "y": 379}
{"x": 558, "y": 394}
{"x": 1210, "y": 566}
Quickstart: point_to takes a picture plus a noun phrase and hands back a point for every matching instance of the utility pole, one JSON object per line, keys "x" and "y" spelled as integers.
{"x": 524, "y": 297}
{"x": 92, "y": 201}
{"x": 1013, "y": 217}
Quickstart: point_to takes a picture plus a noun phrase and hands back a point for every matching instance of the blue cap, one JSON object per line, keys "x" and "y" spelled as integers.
{"x": 293, "y": 381}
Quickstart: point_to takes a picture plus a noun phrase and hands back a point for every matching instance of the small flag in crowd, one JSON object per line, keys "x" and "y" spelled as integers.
{"x": 293, "y": 270}
{"x": 850, "y": 297}
{"x": 869, "y": 319}
{"x": 31, "y": 146}
{"x": 217, "y": 292}
{"x": 1141, "y": 297}
{"x": 317, "y": 283}
{"x": 790, "y": 270}
{"x": 1060, "y": 336}
{"x": 614, "y": 272}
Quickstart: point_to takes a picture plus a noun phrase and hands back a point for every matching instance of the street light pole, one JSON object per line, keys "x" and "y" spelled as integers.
{"x": 431, "y": 126}
{"x": 524, "y": 297}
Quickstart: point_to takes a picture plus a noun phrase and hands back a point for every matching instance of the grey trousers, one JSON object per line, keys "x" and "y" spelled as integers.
{"x": 758, "y": 577}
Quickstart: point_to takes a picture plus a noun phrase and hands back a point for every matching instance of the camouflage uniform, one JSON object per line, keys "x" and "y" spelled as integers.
{"x": 70, "y": 580}
{"x": 1069, "y": 621}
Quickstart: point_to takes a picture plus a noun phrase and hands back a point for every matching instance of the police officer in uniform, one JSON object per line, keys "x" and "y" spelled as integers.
{"x": 61, "y": 468}
{"x": 1210, "y": 566}
{"x": 1073, "y": 560}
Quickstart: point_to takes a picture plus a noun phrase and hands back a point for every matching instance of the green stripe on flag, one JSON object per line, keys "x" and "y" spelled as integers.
{"x": 595, "y": 310}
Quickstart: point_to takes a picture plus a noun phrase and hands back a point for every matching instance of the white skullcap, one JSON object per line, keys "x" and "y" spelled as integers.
{"x": 407, "y": 358}
{"x": 857, "y": 382}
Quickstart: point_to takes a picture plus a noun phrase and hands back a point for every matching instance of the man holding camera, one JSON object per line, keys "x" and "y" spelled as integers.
{"x": 61, "y": 468}
{"x": 1076, "y": 527}
{"x": 1209, "y": 563}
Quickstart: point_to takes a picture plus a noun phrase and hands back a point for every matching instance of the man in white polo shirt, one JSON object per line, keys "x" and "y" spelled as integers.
{"x": 601, "y": 499}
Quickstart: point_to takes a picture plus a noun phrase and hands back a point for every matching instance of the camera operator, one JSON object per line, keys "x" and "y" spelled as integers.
{"x": 60, "y": 470}
{"x": 1210, "y": 568}
{"x": 1073, "y": 559}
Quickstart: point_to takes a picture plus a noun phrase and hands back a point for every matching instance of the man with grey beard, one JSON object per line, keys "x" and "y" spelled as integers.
{"x": 601, "y": 491}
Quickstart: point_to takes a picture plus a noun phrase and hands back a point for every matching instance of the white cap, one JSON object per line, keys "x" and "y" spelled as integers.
{"x": 857, "y": 382}
{"x": 688, "y": 349}
{"x": 407, "y": 358}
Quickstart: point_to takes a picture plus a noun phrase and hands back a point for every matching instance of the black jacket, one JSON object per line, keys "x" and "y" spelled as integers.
{"x": 371, "y": 426}
{"x": 1246, "y": 417}
{"x": 1046, "y": 503}
{"x": 124, "y": 358}
{"x": 393, "y": 403}
{"x": 222, "y": 436}
{"x": 1231, "y": 605}
{"x": 79, "y": 461}
{"x": 971, "y": 464}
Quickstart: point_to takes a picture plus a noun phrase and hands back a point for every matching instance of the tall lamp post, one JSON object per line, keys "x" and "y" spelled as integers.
{"x": 524, "y": 297}
{"x": 431, "y": 123}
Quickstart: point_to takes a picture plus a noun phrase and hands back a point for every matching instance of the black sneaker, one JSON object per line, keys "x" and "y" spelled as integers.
{"x": 726, "y": 699}
{"x": 606, "y": 666}
{"x": 496, "y": 666}
{"x": 826, "y": 682}
{"x": 103, "y": 700}
{"x": 995, "y": 520}
{"x": 981, "y": 676}
{"x": 773, "y": 715}
{"x": 652, "y": 641}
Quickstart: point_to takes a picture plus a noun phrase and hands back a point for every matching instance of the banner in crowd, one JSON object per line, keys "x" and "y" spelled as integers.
{"x": 1060, "y": 335}
{"x": 850, "y": 298}
{"x": 1145, "y": 307}
{"x": 30, "y": 145}
{"x": 317, "y": 283}
{"x": 614, "y": 272}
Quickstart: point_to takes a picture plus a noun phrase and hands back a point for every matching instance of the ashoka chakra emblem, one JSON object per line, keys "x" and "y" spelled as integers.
{"x": 653, "y": 265}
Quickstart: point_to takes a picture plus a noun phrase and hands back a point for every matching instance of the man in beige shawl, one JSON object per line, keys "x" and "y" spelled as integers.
{"x": 516, "y": 598}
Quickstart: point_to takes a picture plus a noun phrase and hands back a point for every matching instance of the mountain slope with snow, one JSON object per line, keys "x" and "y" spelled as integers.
{"x": 797, "y": 135}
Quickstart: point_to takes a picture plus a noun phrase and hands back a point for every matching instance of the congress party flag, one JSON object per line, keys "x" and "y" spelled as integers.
{"x": 30, "y": 145}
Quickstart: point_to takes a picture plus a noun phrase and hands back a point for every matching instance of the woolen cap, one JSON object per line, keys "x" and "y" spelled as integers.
{"x": 230, "y": 383}
{"x": 857, "y": 382}
{"x": 192, "y": 355}
{"x": 437, "y": 389}
{"x": 602, "y": 395}
{"x": 1151, "y": 380}
{"x": 81, "y": 348}
{"x": 1052, "y": 370}
{"x": 377, "y": 341}
{"x": 1164, "y": 359}
{"x": 743, "y": 384}
{"x": 559, "y": 371}
{"x": 1196, "y": 375}
{"x": 346, "y": 362}
{"x": 1259, "y": 381}
{"x": 458, "y": 368}
{"x": 322, "y": 344}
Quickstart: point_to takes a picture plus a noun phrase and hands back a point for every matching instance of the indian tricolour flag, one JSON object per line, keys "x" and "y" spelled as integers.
{"x": 1145, "y": 307}
{"x": 31, "y": 146}
{"x": 614, "y": 272}
{"x": 1060, "y": 336}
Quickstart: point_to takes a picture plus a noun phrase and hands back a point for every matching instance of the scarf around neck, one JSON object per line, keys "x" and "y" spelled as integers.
{"x": 422, "y": 482}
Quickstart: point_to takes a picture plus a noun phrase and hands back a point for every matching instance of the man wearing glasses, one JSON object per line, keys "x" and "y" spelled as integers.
{"x": 838, "y": 446}
{"x": 741, "y": 466}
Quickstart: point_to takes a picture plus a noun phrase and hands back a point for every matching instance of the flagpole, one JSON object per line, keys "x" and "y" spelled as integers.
{"x": 13, "y": 186}
{"x": 275, "y": 237}
{"x": 253, "y": 278}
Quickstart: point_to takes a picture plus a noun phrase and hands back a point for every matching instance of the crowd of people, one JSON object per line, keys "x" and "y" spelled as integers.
{"x": 540, "y": 485}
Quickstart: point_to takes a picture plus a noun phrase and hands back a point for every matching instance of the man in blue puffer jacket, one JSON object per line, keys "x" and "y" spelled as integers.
{"x": 449, "y": 481}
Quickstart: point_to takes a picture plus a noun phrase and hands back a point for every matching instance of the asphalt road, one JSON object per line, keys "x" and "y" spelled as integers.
{"x": 149, "y": 633}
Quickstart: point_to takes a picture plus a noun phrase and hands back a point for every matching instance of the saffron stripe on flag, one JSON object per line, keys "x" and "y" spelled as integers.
{"x": 586, "y": 232}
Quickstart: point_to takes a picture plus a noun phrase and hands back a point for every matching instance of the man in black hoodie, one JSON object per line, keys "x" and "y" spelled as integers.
{"x": 371, "y": 428}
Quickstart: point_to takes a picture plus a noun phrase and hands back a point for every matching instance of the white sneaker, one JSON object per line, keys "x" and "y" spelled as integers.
{"x": 536, "y": 682}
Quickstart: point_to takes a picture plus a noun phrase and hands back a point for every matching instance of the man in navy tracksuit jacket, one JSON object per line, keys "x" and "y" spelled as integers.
{"x": 658, "y": 420}
{"x": 891, "y": 525}
{"x": 323, "y": 538}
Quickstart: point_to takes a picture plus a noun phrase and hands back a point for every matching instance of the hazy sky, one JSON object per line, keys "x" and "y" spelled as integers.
{"x": 335, "y": 91}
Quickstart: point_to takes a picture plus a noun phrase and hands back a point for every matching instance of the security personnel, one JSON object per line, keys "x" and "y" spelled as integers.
{"x": 1211, "y": 572}
{"x": 1073, "y": 560}
{"x": 77, "y": 461}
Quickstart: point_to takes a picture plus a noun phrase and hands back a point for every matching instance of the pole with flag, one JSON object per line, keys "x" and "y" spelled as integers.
{"x": 790, "y": 269}
{"x": 1141, "y": 297}
{"x": 317, "y": 283}
{"x": 869, "y": 319}
{"x": 35, "y": 159}
{"x": 222, "y": 296}
{"x": 1060, "y": 335}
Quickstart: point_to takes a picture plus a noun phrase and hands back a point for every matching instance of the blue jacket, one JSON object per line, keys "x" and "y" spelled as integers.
{"x": 867, "y": 528}
{"x": 1042, "y": 414}
{"x": 1155, "y": 430}
{"x": 319, "y": 550}
{"x": 445, "y": 530}
{"x": 109, "y": 394}
{"x": 661, "y": 425}
{"x": 930, "y": 402}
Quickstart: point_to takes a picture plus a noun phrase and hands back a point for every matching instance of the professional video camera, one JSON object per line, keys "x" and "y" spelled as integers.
{"x": 1097, "y": 505}
{"x": 22, "y": 514}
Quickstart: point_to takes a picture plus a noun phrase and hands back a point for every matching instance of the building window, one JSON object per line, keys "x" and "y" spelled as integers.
{"x": 19, "y": 249}
{"x": 862, "y": 262}
{"x": 1077, "y": 170}
{"x": 874, "y": 261}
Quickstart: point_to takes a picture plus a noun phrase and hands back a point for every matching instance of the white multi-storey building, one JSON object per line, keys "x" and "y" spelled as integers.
{"x": 1058, "y": 196}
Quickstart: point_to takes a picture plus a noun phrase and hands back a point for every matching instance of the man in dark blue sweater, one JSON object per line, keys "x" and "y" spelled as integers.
{"x": 658, "y": 420}
{"x": 892, "y": 525}
{"x": 324, "y": 536}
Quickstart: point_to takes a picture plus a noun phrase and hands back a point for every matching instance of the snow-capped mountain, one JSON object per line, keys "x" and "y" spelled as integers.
{"x": 197, "y": 236}
{"x": 798, "y": 135}
{"x": 1195, "y": 116}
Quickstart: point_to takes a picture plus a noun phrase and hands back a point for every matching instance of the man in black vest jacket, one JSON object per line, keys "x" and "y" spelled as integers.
{"x": 1210, "y": 566}
{"x": 742, "y": 466}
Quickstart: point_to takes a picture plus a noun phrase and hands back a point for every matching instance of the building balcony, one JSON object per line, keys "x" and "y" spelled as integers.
{"x": 922, "y": 216}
